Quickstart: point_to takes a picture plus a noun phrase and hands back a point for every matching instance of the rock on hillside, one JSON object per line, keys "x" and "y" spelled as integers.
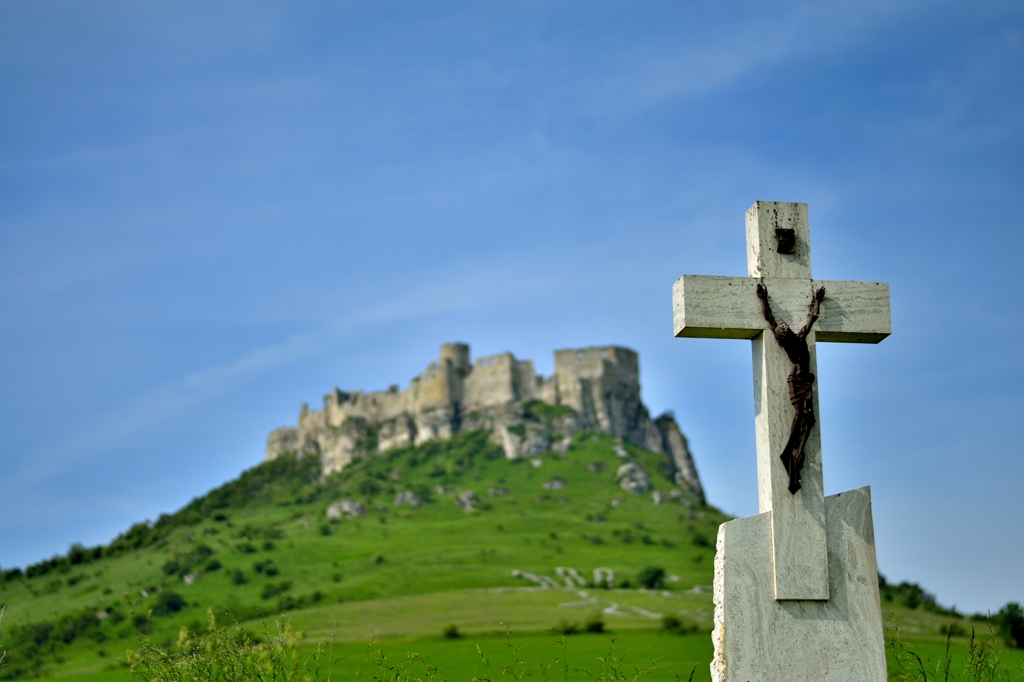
{"x": 592, "y": 389}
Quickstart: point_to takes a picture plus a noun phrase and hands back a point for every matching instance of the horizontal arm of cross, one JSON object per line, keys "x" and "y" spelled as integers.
{"x": 728, "y": 308}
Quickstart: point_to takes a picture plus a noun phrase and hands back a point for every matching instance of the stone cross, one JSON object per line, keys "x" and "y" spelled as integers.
{"x": 796, "y": 592}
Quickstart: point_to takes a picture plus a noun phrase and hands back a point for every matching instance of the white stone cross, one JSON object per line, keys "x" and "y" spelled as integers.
{"x": 773, "y": 590}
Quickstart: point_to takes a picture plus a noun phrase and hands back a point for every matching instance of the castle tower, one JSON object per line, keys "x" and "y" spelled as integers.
{"x": 602, "y": 384}
{"x": 457, "y": 354}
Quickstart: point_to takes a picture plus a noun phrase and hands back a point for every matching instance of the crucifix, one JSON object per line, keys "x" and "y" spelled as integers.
{"x": 796, "y": 591}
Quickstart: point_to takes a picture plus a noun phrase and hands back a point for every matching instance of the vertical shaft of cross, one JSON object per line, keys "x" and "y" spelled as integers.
{"x": 798, "y": 519}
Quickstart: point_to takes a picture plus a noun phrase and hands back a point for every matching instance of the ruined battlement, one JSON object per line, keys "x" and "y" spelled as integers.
{"x": 600, "y": 384}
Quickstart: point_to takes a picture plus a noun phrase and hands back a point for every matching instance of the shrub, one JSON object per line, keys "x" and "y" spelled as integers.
{"x": 451, "y": 632}
{"x": 912, "y": 596}
{"x": 267, "y": 567}
{"x": 953, "y": 629}
{"x": 287, "y": 602}
{"x": 273, "y": 589}
{"x": 142, "y": 624}
{"x": 183, "y": 563}
{"x": 238, "y": 577}
{"x": 651, "y": 577}
{"x": 1010, "y": 620}
{"x": 566, "y": 628}
{"x": 213, "y": 565}
{"x": 369, "y": 487}
{"x": 675, "y": 625}
{"x": 700, "y": 540}
{"x": 538, "y": 409}
{"x": 168, "y": 602}
{"x": 594, "y": 624}
{"x": 11, "y": 574}
{"x": 32, "y": 644}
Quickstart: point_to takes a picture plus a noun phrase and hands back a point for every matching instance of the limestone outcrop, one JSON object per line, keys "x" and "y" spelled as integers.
{"x": 592, "y": 389}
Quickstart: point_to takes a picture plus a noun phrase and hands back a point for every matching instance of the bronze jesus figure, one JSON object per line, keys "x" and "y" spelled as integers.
{"x": 801, "y": 382}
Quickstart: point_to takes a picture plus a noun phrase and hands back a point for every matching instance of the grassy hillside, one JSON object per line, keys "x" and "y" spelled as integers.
{"x": 263, "y": 544}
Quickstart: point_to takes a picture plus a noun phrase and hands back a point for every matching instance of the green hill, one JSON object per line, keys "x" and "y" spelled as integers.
{"x": 264, "y": 544}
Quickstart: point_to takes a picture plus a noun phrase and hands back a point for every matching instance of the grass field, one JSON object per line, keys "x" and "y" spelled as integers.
{"x": 662, "y": 653}
{"x": 262, "y": 546}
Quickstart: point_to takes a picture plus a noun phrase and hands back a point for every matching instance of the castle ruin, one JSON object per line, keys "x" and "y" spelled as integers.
{"x": 599, "y": 385}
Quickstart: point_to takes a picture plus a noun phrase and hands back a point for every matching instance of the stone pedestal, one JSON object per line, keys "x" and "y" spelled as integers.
{"x": 760, "y": 639}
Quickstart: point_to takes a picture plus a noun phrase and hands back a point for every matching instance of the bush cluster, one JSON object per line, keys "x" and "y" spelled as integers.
{"x": 183, "y": 563}
{"x": 1010, "y": 621}
{"x": 593, "y": 624}
{"x": 913, "y": 596}
{"x": 286, "y": 478}
{"x": 29, "y": 646}
{"x": 538, "y": 410}
{"x": 674, "y": 624}
{"x": 77, "y": 554}
{"x": 652, "y": 577}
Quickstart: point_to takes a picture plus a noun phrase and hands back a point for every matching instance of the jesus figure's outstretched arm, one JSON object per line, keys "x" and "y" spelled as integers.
{"x": 766, "y": 308}
{"x": 819, "y": 295}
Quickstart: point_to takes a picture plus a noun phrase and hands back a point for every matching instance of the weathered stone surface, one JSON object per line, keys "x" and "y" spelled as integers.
{"x": 571, "y": 577}
{"x": 600, "y": 385}
{"x": 604, "y": 577}
{"x": 467, "y": 500}
{"x": 706, "y": 306}
{"x": 408, "y": 497}
{"x": 521, "y": 440}
{"x": 396, "y": 433}
{"x": 798, "y": 519}
{"x": 729, "y": 307}
{"x": 281, "y": 440}
{"x": 632, "y": 478}
{"x": 760, "y": 639}
{"x": 796, "y": 592}
{"x": 345, "y": 508}
{"x": 678, "y": 448}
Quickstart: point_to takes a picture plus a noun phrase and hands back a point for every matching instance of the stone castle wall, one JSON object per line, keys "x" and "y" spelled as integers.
{"x": 600, "y": 384}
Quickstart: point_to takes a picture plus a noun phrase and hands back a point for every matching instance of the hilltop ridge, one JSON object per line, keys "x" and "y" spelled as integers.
{"x": 592, "y": 389}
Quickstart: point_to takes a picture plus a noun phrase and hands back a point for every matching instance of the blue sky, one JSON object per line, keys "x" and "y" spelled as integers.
{"x": 212, "y": 212}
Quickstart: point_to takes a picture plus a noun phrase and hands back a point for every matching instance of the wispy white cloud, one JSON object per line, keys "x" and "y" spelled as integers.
{"x": 456, "y": 291}
{"x": 763, "y": 37}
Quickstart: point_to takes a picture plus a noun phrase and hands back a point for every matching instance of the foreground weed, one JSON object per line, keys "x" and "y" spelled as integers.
{"x": 611, "y": 668}
{"x": 564, "y": 659}
{"x": 983, "y": 663}
{"x": 688, "y": 679}
{"x": 229, "y": 653}
{"x": 515, "y": 668}
{"x": 412, "y": 668}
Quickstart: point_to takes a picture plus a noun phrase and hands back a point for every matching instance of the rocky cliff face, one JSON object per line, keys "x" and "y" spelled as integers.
{"x": 592, "y": 389}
